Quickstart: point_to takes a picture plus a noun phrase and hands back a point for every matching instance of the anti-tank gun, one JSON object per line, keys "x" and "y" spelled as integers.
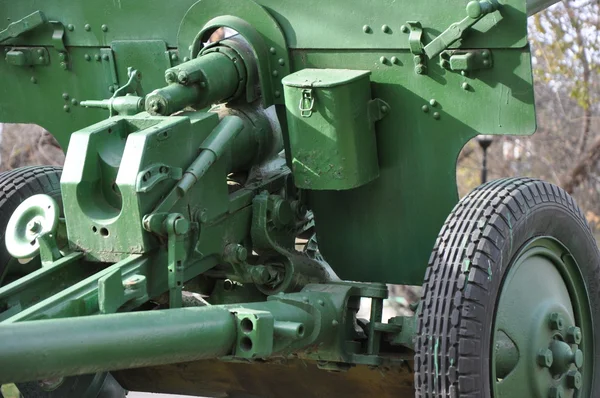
{"x": 225, "y": 206}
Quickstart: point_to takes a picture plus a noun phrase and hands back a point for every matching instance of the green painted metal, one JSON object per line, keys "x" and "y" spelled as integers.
{"x": 332, "y": 136}
{"x": 541, "y": 326}
{"x": 175, "y": 180}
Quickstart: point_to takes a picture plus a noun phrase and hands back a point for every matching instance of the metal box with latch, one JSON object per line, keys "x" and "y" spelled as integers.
{"x": 332, "y": 135}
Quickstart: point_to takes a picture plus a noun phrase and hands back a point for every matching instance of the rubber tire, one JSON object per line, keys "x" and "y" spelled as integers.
{"x": 16, "y": 186}
{"x": 457, "y": 311}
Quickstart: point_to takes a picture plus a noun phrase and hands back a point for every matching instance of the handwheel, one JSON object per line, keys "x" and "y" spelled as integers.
{"x": 16, "y": 186}
{"x": 511, "y": 298}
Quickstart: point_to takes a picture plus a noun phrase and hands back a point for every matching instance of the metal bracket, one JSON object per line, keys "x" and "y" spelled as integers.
{"x": 475, "y": 11}
{"x": 466, "y": 60}
{"x": 177, "y": 226}
{"x": 152, "y": 175}
{"x": 416, "y": 47}
{"x": 110, "y": 69}
{"x": 113, "y": 292}
{"x": 28, "y": 56}
{"x": 378, "y": 109}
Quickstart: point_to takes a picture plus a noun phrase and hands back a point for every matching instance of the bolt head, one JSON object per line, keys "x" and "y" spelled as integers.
{"x": 404, "y": 29}
{"x": 241, "y": 253}
{"x": 394, "y": 60}
{"x": 574, "y": 380}
{"x": 556, "y": 321}
{"x": 385, "y": 29}
{"x": 465, "y": 86}
{"x": 87, "y": 27}
{"x": 104, "y": 28}
{"x": 436, "y": 115}
{"x": 545, "y": 358}
{"x": 419, "y": 69}
{"x": 366, "y": 29}
{"x": 573, "y": 335}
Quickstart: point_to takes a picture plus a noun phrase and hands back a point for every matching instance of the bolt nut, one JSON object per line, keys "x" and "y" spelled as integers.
{"x": 545, "y": 358}
{"x": 574, "y": 379}
{"x": 183, "y": 77}
{"x": 419, "y": 69}
{"x": 556, "y": 321}
{"x": 573, "y": 335}
{"x": 556, "y": 392}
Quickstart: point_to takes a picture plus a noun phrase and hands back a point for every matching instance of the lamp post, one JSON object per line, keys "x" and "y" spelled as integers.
{"x": 484, "y": 142}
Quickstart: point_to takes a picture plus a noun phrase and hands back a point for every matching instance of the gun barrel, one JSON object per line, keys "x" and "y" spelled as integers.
{"x": 44, "y": 349}
{"x": 535, "y": 6}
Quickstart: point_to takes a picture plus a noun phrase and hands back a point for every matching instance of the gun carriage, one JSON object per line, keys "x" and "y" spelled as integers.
{"x": 226, "y": 204}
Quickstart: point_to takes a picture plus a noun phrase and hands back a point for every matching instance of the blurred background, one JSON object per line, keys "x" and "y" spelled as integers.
{"x": 565, "y": 150}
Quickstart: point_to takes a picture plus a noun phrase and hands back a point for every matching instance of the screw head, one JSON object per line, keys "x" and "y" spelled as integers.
{"x": 545, "y": 358}
{"x": 419, "y": 69}
{"x": 87, "y": 57}
{"x": 272, "y": 50}
{"x": 104, "y": 28}
{"x": 281, "y": 61}
{"x": 425, "y": 108}
{"x": 105, "y": 57}
{"x": 383, "y": 60}
{"x": 433, "y": 102}
{"x": 67, "y": 108}
{"x": 70, "y": 27}
{"x": 65, "y": 96}
{"x": 33, "y": 80}
{"x": 404, "y": 29}
{"x": 384, "y": 109}
{"x": 87, "y": 27}
{"x": 574, "y": 379}
{"x": 366, "y": 29}
{"x": 436, "y": 115}
{"x": 465, "y": 86}
{"x": 97, "y": 57}
{"x": 556, "y": 321}
{"x": 64, "y": 65}
{"x": 385, "y": 29}
{"x": 573, "y": 335}
{"x": 394, "y": 60}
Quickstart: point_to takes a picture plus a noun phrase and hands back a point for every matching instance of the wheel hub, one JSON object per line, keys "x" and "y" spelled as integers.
{"x": 540, "y": 327}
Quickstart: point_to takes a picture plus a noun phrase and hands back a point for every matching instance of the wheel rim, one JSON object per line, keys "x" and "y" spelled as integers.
{"x": 543, "y": 337}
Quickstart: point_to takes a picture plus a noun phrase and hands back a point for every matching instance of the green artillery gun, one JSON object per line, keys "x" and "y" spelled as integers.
{"x": 226, "y": 204}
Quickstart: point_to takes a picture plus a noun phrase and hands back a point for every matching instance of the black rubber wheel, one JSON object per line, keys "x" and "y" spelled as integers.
{"x": 478, "y": 246}
{"x": 16, "y": 186}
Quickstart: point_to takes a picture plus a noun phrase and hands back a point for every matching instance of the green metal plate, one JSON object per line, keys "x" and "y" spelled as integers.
{"x": 295, "y": 17}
